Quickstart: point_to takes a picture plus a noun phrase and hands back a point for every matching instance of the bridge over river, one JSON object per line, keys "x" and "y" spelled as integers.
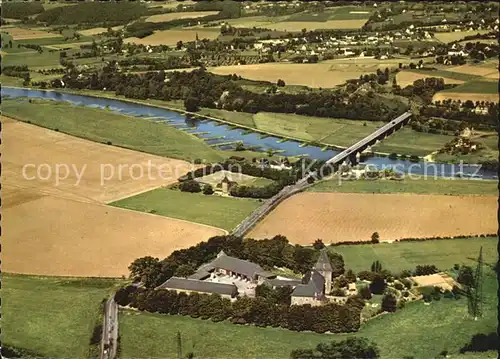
{"x": 349, "y": 154}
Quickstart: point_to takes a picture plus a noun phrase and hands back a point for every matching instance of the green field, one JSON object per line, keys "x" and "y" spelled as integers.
{"x": 217, "y": 211}
{"x": 409, "y": 142}
{"x": 488, "y": 87}
{"x": 407, "y": 255}
{"x": 417, "y": 330}
{"x": 446, "y": 74}
{"x": 102, "y": 126}
{"x": 51, "y": 316}
{"x": 452, "y": 186}
{"x": 336, "y": 13}
{"x": 488, "y": 152}
{"x": 32, "y": 59}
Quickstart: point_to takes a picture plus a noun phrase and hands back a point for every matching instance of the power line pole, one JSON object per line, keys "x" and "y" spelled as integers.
{"x": 179, "y": 345}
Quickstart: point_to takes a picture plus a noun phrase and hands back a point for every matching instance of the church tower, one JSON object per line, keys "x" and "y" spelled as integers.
{"x": 324, "y": 267}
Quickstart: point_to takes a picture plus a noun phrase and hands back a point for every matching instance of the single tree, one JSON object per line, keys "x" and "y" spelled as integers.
{"x": 376, "y": 267}
{"x": 378, "y": 285}
{"x": 192, "y": 104}
{"x": 389, "y": 303}
{"x": 365, "y": 292}
{"x": 280, "y": 83}
{"x": 350, "y": 276}
{"x": 318, "y": 244}
{"x": 376, "y": 236}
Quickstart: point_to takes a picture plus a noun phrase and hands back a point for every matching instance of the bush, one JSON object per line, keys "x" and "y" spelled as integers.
{"x": 389, "y": 303}
{"x": 407, "y": 283}
{"x": 393, "y": 156}
{"x": 109, "y": 143}
{"x": 406, "y": 294}
{"x": 365, "y": 293}
{"x": 208, "y": 190}
{"x": 426, "y": 270}
{"x": 399, "y": 286}
{"x": 338, "y": 292}
{"x": 378, "y": 285}
{"x": 427, "y": 298}
{"x": 366, "y": 275}
{"x": 190, "y": 186}
{"x": 197, "y": 161}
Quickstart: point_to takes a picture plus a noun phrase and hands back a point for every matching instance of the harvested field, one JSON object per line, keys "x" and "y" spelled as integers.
{"x": 179, "y": 15}
{"x": 316, "y": 25}
{"x": 325, "y": 74}
{"x": 447, "y": 37}
{"x": 19, "y": 33}
{"x": 464, "y": 96}
{"x": 473, "y": 70}
{"x": 405, "y": 78}
{"x": 171, "y": 37}
{"x": 34, "y": 145}
{"x": 336, "y": 217}
{"x": 68, "y": 220}
{"x": 110, "y": 238}
{"x": 312, "y": 75}
{"x": 98, "y": 30}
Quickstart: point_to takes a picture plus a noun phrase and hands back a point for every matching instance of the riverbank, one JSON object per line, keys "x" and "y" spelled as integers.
{"x": 177, "y": 107}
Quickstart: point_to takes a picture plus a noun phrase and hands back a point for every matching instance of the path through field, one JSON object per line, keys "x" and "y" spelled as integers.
{"x": 337, "y": 217}
{"x": 67, "y": 229}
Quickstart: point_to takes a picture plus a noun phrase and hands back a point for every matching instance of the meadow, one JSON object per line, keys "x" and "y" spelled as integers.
{"x": 451, "y": 186}
{"x": 217, "y": 211}
{"x": 417, "y": 330}
{"x": 448, "y": 37}
{"x": 52, "y": 316}
{"x": 398, "y": 256}
{"x": 103, "y": 126}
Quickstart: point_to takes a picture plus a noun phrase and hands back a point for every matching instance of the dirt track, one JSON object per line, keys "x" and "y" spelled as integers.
{"x": 67, "y": 229}
{"x": 336, "y": 217}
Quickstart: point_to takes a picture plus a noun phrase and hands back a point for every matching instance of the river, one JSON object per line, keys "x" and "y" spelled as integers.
{"x": 225, "y": 133}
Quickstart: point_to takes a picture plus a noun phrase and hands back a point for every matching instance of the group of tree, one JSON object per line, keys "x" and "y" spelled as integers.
{"x": 16, "y": 71}
{"x": 210, "y": 88}
{"x": 268, "y": 253}
{"x": 352, "y": 348}
{"x": 21, "y": 10}
{"x": 95, "y": 13}
{"x": 260, "y": 311}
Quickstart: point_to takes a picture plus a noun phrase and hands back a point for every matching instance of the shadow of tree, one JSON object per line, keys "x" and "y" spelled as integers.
{"x": 482, "y": 343}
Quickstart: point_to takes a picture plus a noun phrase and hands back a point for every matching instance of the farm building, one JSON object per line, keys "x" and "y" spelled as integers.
{"x": 199, "y": 286}
{"x": 231, "y": 277}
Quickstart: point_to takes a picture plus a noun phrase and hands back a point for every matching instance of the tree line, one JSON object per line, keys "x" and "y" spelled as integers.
{"x": 258, "y": 311}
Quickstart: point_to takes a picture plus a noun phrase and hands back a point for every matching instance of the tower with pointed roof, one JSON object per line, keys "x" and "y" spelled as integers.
{"x": 324, "y": 267}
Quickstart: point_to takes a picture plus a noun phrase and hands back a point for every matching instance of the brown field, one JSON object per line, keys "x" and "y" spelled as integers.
{"x": 316, "y": 25}
{"x": 447, "y": 37}
{"x": 464, "y": 96}
{"x": 171, "y": 37}
{"x": 54, "y": 236}
{"x": 312, "y": 75}
{"x": 98, "y": 30}
{"x": 405, "y": 78}
{"x": 179, "y": 15}
{"x": 336, "y": 217}
{"x": 67, "y": 229}
{"x": 473, "y": 70}
{"x": 19, "y": 33}
{"x": 325, "y": 74}
{"x": 441, "y": 280}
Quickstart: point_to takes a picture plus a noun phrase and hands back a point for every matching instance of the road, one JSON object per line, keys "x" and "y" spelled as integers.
{"x": 288, "y": 191}
{"x": 110, "y": 330}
